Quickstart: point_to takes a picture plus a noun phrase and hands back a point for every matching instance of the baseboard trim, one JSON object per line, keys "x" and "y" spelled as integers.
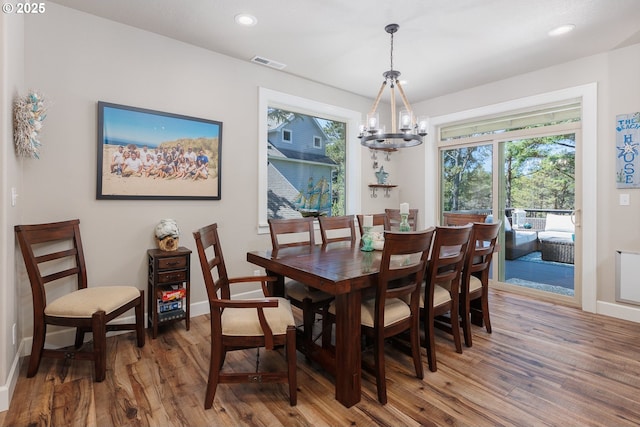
{"x": 6, "y": 390}
{"x": 618, "y": 311}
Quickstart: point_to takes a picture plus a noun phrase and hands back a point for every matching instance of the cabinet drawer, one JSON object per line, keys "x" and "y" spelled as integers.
{"x": 171, "y": 263}
{"x": 172, "y": 276}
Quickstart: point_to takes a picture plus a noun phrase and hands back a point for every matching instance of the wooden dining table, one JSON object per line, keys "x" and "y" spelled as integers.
{"x": 340, "y": 269}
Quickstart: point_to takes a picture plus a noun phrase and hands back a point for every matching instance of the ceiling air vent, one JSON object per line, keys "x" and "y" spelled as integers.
{"x": 269, "y": 63}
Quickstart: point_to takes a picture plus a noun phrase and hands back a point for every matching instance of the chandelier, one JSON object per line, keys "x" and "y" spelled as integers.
{"x": 408, "y": 131}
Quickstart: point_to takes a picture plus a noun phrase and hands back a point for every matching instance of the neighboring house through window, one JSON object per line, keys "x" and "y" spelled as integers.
{"x": 300, "y": 170}
{"x": 309, "y": 158}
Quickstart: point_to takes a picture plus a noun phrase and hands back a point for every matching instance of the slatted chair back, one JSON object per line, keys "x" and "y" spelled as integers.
{"x": 455, "y": 219}
{"x": 394, "y": 219}
{"x": 291, "y": 232}
{"x": 380, "y": 222}
{"x": 337, "y": 228}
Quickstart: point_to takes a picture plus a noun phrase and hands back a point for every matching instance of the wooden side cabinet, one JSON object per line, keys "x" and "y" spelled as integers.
{"x": 169, "y": 287}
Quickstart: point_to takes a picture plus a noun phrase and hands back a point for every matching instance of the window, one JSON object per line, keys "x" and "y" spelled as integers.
{"x": 324, "y": 117}
{"x": 300, "y": 179}
{"x": 287, "y": 136}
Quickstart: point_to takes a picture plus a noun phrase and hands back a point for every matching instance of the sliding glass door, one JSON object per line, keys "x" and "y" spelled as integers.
{"x": 538, "y": 197}
{"x": 526, "y": 179}
{"x": 467, "y": 179}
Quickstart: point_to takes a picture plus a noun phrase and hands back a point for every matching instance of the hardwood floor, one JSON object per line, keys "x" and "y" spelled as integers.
{"x": 544, "y": 364}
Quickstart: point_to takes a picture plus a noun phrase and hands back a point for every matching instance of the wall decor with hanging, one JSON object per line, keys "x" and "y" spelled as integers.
{"x": 28, "y": 114}
{"x": 627, "y": 153}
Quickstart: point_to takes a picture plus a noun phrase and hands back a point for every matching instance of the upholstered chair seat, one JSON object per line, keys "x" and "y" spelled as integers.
{"x": 245, "y": 322}
{"x": 84, "y": 302}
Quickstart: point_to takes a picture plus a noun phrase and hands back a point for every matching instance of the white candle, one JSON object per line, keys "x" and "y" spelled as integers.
{"x": 368, "y": 221}
{"x": 404, "y": 208}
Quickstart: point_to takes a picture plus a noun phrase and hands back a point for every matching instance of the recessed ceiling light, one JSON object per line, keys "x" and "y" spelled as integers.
{"x": 562, "y": 29}
{"x": 246, "y": 19}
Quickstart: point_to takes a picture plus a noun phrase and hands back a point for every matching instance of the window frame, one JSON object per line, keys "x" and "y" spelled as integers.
{"x": 319, "y": 140}
{"x": 353, "y": 173}
{"x": 588, "y": 94}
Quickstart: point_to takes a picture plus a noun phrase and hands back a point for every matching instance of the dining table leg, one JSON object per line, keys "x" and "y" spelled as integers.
{"x": 276, "y": 289}
{"x": 348, "y": 352}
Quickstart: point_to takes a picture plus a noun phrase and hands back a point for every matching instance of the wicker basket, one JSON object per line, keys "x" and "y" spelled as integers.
{"x": 557, "y": 249}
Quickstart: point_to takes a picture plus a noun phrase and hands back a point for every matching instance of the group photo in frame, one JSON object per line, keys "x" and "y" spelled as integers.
{"x": 147, "y": 154}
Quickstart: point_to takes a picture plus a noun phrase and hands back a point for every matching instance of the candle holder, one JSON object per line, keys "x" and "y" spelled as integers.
{"x": 404, "y": 222}
{"x": 367, "y": 240}
{"x": 367, "y": 262}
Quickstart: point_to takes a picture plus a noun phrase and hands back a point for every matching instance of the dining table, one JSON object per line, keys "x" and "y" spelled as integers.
{"x": 343, "y": 270}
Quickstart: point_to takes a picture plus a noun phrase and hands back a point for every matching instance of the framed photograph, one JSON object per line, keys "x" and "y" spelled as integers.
{"x": 146, "y": 154}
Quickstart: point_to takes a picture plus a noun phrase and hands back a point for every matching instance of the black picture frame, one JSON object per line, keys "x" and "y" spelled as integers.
{"x": 128, "y": 133}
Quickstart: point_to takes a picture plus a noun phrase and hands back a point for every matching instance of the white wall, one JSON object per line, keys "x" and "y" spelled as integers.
{"x": 12, "y": 83}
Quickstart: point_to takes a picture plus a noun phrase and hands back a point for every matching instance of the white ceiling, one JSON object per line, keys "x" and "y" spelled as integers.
{"x": 442, "y": 46}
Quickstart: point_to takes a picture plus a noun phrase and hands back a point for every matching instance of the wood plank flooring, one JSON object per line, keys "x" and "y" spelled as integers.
{"x": 544, "y": 364}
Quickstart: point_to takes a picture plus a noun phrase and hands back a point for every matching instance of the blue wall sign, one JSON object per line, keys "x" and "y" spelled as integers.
{"x": 627, "y": 150}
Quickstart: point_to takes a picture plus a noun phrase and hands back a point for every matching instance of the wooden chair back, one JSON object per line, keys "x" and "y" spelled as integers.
{"x": 299, "y": 232}
{"x": 380, "y": 221}
{"x": 454, "y": 219}
{"x": 53, "y": 253}
{"x": 337, "y": 228}
{"x": 403, "y": 264}
{"x": 397, "y": 293}
{"x": 394, "y": 218}
{"x": 482, "y": 245}
{"x": 291, "y": 232}
{"x": 247, "y": 334}
{"x": 443, "y": 275}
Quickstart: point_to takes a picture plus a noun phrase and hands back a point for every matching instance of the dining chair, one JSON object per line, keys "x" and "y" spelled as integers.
{"x": 455, "y": 218}
{"x": 53, "y": 254}
{"x": 394, "y": 218}
{"x": 337, "y": 228}
{"x": 441, "y": 290}
{"x": 474, "y": 285}
{"x": 380, "y": 222}
{"x": 395, "y": 307}
{"x": 243, "y": 324}
{"x": 300, "y": 232}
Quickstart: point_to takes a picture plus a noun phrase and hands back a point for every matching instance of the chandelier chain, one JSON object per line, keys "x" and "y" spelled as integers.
{"x": 391, "y": 51}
